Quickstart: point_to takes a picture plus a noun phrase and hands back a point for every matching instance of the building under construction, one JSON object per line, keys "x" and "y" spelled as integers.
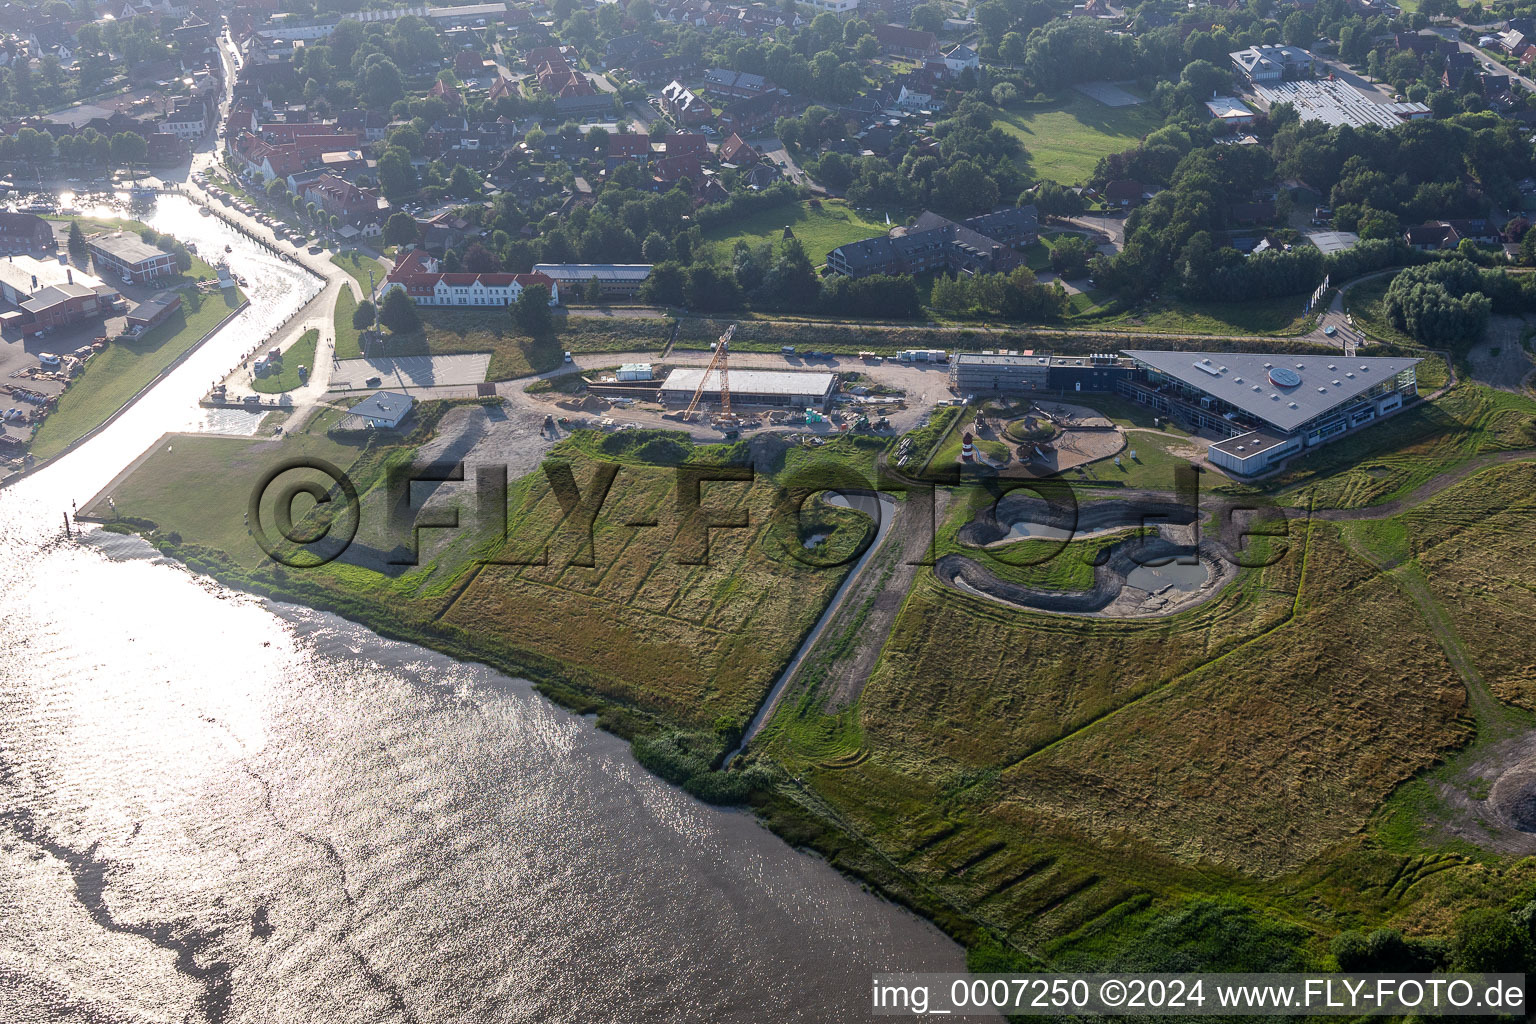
{"x": 750, "y": 387}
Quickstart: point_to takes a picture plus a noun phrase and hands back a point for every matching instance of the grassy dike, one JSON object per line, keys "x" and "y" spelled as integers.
{"x": 157, "y": 499}
{"x": 113, "y": 377}
{"x": 1232, "y": 787}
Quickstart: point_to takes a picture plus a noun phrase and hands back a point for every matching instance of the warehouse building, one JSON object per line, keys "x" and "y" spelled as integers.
{"x": 48, "y": 293}
{"x": 980, "y": 373}
{"x": 1269, "y": 406}
{"x": 613, "y": 279}
{"x": 751, "y": 387}
{"x": 130, "y": 257}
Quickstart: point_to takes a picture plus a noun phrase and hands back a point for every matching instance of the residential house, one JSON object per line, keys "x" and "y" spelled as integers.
{"x": 421, "y": 277}
{"x": 448, "y": 93}
{"x": 683, "y": 105}
{"x": 1124, "y": 192}
{"x": 1448, "y": 234}
{"x": 23, "y": 232}
{"x": 737, "y": 84}
{"x": 748, "y": 116}
{"x": 187, "y": 121}
{"x": 960, "y": 57}
{"x": 626, "y": 148}
{"x": 337, "y": 196}
{"x": 541, "y": 55}
{"x": 735, "y": 150}
{"x": 906, "y": 42}
{"x": 938, "y": 243}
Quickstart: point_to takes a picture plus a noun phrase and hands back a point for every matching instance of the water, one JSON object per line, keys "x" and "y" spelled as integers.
{"x": 1179, "y": 575}
{"x": 218, "y": 808}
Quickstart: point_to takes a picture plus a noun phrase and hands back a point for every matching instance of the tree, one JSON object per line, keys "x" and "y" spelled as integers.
{"x": 926, "y": 17}
{"x": 655, "y": 249}
{"x": 1011, "y": 49}
{"x": 399, "y": 312}
{"x": 1004, "y": 93}
{"x": 362, "y": 316}
{"x": 591, "y": 291}
{"x": 464, "y": 182}
{"x": 1299, "y": 29}
{"x": 531, "y": 310}
{"x": 381, "y": 81}
{"x": 401, "y": 229}
{"x": 77, "y": 250}
{"x": 1070, "y": 256}
{"x": 128, "y": 148}
{"x": 396, "y": 175}
{"x": 1489, "y": 940}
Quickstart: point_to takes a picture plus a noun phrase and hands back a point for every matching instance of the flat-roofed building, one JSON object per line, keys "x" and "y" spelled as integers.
{"x": 22, "y": 277}
{"x": 622, "y": 279}
{"x": 979, "y": 373}
{"x": 383, "y": 410}
{"x": 751, "y": 387}
{"x": 130, "y": 257}
{"x": 154, "y": 311}
{"x": 1268, "y": 406}
{"x": 1231, "y": 111}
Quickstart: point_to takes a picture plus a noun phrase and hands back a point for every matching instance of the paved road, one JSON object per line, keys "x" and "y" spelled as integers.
{"x": 773, "y": 149}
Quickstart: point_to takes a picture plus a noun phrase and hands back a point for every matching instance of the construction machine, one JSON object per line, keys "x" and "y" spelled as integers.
{"x": 725, "y": 420}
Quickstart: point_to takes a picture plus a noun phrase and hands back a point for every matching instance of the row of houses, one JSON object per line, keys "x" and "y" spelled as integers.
{"x": 422, "y": 278}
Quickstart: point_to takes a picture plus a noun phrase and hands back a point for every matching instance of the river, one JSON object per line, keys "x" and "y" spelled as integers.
{"x": 219, "y": 808}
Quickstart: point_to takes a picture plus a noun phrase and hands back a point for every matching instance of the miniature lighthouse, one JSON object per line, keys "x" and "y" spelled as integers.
{"x": 967, "y": 453}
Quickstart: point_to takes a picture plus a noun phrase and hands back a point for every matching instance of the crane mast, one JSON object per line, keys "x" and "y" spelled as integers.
{"x": 720, "y": 362}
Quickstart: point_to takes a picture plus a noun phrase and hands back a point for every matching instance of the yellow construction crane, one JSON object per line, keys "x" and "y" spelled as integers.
{"x": 721, "y": 363}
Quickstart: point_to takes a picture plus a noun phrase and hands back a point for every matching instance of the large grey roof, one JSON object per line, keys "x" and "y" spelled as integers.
{"x": 1328, "y": 380}
{"x": 383, "y": 405}
{"x": 755, "y": 382}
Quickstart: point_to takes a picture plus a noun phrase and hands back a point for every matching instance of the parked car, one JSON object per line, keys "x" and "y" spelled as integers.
{"x": 372, "y": 382}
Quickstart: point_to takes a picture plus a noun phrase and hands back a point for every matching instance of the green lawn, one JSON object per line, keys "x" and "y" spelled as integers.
{"x": 513, "y": 354}
{"x": 358, "y": 265}
{"x": 115, "y": 375}
{"x": 198, "y": 485}
{"x": 287, "y": 378}
{"x": 1066, "y": 139}
{"x": 348, "y": 345}
{"x": 1037, "y": 256}
{"x": 819, "y": 230}
{"x": 1277, "y": 316}
{"x": 1364, "y": 303}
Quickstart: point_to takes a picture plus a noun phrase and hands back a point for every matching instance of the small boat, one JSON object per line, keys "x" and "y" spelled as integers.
{"x": 203, "y": 211}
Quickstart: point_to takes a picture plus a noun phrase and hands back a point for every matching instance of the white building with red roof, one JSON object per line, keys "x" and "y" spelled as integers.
{"x": 423, "y": 280}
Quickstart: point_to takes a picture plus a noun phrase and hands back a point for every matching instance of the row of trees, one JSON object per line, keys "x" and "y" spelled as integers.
{"x": 1447, "y": 303}
{"x": 1012, "y": 296}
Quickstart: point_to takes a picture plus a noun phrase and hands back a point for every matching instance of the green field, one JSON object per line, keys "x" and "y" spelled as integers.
{"x": 123, "y": 368}
{"x": 301, "y": 353}
{"x": 358, "y": 265}
{"x": 820, "y": 230}
{"x": 1226, "y": 788}
{"x": 1364, "y": 302}
{"x": 348, "y": 338}
{"x": 1277, "y": 316}
{"x": 1066, "y": 139}
{"x": 513, "y": 354}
